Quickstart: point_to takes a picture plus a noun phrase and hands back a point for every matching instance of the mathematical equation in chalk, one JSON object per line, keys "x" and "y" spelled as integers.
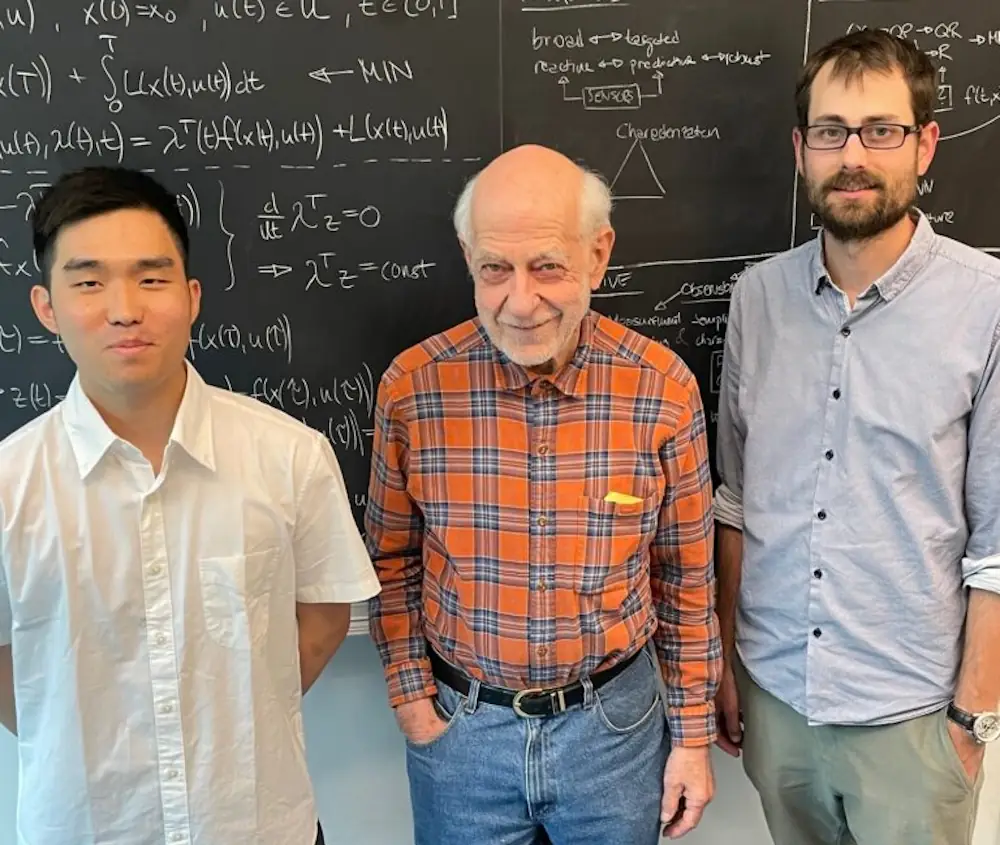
{"x": 296, "y": 394}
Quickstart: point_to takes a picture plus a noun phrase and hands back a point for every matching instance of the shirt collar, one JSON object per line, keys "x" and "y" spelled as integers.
{"x": 91, "y": 438}
{"x": 570, "y": 380}
{"x": 892, "y": 283}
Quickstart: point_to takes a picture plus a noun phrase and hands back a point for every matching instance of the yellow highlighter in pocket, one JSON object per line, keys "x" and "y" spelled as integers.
{"x": 622, "y": 498}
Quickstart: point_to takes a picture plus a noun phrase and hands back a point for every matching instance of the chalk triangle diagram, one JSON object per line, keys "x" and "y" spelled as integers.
{"x": 636, "y": 179}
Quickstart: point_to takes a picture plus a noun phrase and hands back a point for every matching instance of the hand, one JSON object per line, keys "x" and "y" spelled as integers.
{"x": 970, "y": 752}
{"x": 728, "y": 714}
{"x": 419, "y": 721}
{"x": 688, "y": 787}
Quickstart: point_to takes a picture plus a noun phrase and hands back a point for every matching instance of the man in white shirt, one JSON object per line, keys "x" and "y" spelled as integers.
{"x": 177, "y": 562}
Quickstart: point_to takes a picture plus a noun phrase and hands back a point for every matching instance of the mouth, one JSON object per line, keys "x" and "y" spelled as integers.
{"x": 853, "y": 192}
{"x": 527, "y": 329}
{"x": 127, "y": 347}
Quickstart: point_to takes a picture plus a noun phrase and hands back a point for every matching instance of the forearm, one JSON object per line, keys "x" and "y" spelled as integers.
{"x": 728, "y": 568}
{"x": 322, "y": 629}
{"x": 395, "y": 624}
{"x": 979, "y": 678}
{"x": 8, "y": 711}
{"x": 689, "y": 651}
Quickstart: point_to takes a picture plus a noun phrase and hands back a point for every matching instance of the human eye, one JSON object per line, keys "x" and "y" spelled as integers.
{"x": 492, "y": 271}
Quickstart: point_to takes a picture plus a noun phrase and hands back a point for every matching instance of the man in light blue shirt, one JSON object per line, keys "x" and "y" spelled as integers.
{"x": 859, "y": 509}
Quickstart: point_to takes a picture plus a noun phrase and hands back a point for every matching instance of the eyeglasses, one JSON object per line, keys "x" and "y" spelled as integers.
{"x": 873, "y": 136}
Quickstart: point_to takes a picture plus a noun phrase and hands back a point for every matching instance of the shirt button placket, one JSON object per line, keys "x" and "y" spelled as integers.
{"x": 161, "y": 626}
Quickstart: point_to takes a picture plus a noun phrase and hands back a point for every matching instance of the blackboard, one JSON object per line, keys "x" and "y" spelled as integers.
{"x": 317, "y": 148}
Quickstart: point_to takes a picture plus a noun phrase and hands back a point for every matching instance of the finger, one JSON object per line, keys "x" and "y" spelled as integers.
{"x": 734, "y": 724}
{"x": 686, "y": 823}
{"x": 727, "y": 745}
{"x": 670, "y": 805}
{"x": 730, "y": 735}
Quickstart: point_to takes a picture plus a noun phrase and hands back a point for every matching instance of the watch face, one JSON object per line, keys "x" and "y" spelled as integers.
{"x": 987, "y": 727}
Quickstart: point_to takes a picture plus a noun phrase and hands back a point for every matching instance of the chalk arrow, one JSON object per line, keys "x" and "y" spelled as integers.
{"x": 324, "y": 75}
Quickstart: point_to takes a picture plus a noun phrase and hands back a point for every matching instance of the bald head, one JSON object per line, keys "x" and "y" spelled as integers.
{"x": 529, "y": 182}
{"x": 536, "y": 234}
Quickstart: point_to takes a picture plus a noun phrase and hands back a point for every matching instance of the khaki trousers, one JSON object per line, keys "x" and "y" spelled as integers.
{"x": 901, "y": 784}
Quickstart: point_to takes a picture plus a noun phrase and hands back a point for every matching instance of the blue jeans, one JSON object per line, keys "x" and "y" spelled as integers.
{"x": 590, "y": 776}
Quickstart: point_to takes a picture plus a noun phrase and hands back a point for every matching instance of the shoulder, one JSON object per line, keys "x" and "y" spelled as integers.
{"x": 29, "y": 443}
{"x": 979, "y": 264}
{"x": 791, "y": 265}
{"x": 264, "y": 425}
{"x": 621, "y": 347}
{"x": 457, "y": 344}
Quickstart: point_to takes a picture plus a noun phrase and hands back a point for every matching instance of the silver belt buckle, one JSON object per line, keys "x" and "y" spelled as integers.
{"x": 555, "y": 694}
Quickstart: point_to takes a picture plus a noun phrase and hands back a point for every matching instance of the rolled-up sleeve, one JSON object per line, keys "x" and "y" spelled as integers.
{"x": 731, "y": 431}
{"x": 981, "y": 565}
{"x": 682, "y": 579}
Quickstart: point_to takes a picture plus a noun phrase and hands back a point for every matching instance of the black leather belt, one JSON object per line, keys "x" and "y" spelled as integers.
{"x": 529, "y": 702}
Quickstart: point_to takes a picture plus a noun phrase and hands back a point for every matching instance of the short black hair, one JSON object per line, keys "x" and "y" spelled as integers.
{"x": 872, "y": 51}
{"x": 90, "y": 191}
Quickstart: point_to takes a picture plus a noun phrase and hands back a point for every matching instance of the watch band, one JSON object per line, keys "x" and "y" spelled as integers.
{"x": 962, "y": 717}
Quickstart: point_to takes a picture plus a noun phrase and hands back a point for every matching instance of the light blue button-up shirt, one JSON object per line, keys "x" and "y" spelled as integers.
{"x": 859, "y": 453}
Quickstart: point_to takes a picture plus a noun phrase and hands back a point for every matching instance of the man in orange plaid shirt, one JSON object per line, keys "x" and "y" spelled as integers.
{"x": 540, "y": 518}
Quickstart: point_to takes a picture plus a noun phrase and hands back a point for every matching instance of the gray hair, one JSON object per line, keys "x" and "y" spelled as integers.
{"x": 595, "y": 206}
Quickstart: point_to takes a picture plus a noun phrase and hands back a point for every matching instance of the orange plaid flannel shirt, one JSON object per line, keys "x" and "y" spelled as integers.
{"x": 494, "y": 541}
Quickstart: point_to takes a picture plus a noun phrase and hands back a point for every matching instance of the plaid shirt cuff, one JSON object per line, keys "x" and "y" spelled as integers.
{"x": 692, "y": 726}
{"x": 410, "y": 681}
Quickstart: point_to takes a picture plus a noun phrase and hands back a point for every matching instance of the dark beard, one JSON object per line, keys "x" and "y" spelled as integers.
{"x": 889, "y": 208}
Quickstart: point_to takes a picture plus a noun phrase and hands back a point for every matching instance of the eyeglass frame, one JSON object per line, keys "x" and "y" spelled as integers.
{"x": 908, "y": 130}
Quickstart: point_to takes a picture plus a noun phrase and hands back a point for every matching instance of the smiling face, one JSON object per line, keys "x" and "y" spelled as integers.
{"x": 533, "y": 263}
{"x": 857, "y": 193}
{"x": 119, "y": 297}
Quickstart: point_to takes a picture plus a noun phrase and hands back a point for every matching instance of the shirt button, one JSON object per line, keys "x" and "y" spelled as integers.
{"x": 818, "y": 573}
{"x": 542, "y": 651}
{"x": 836, "y": 393}
{"x": 541, "y": 586}
{"x": 172, "y": 775}
{"x": 817, "y": 633}
{"x": 166, "y": 707}
{"x": 161, "y": 639}
{"x": 176, "y": 837}
{"x": 543, "y": 449}
{"x": 821, "y": 515}
{"x": 829, "y": 454}
{"x": 846, "y": 331}
{"x": 155, "y": 569}
{"x": 541, "y": 522}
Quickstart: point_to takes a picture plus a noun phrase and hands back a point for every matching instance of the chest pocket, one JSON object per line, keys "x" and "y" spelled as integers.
{"x": 610, "y": 540}
{"x": 236, "y": 597}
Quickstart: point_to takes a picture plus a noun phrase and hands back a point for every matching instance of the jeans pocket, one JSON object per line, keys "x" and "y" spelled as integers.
{"x": 449, "y": 706}
{"x": 628, "y": 702}
{"x": 951, "y": 752}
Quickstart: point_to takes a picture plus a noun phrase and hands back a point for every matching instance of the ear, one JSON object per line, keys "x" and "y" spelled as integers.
{"x": 41, "y": 303}
{"x": 798, "y": 145}
{"x": 194, "y": 289}
{"x": 600, "y": 254}
{"x": 927, "y": 146}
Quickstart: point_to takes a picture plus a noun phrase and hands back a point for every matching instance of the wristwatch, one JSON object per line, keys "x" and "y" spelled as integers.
{"x": 985, "y": 727}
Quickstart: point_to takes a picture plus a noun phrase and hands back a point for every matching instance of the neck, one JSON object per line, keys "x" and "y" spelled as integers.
{"x": 143, "y": 417}
{"x": 854, "y": 265}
